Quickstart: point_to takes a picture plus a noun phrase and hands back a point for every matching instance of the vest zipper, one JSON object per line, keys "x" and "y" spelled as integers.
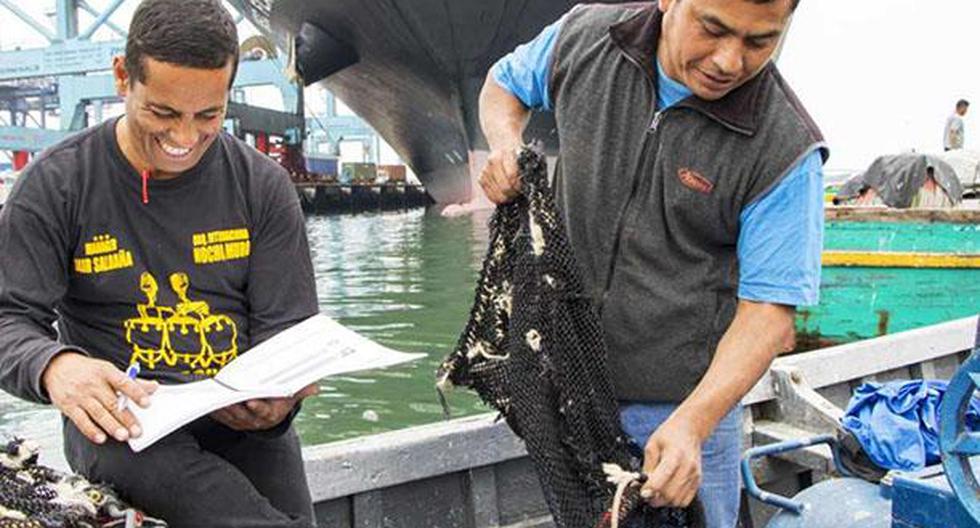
{"x": 653, "y": 128}
{"x": 655, "y": 122}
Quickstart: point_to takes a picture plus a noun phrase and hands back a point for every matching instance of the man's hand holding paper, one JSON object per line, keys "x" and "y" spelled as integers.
{"x": 261, "y": 413}
{"x": 259, "y": 389}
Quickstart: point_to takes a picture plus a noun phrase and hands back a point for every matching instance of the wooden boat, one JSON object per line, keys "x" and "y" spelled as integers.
{"x": 473, "y": 473}
{"x": 888, "y": 270}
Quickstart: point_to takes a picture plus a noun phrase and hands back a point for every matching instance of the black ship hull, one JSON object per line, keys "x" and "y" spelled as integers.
{"x": 412, "y": 69}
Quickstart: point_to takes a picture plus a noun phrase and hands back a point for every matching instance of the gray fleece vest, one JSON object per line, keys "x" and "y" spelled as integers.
{"x": 652, "y": 198}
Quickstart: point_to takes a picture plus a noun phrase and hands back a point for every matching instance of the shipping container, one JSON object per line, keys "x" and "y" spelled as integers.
{"x": 322, "y": 165}
{"x": 391, "y": 173}
{"x": 362, "y": 173}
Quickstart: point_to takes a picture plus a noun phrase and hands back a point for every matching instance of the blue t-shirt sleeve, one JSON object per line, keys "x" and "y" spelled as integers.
{"x": 524, "y": 72}
{"x": 781, "y": 239}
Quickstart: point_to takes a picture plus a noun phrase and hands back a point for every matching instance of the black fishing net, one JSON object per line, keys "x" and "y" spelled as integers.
{"x": 533, "y": 349}
{"x": 35, "y": 496}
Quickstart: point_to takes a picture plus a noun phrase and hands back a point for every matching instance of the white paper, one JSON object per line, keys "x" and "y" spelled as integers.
{"x": 279, "y": 367}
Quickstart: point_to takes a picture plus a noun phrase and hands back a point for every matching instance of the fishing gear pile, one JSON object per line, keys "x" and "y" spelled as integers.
{"x": 34, "y": 496}
{"x": 533, "y": 349}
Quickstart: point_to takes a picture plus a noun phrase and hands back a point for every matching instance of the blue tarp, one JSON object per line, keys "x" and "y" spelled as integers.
{"x": 897, "y": 423}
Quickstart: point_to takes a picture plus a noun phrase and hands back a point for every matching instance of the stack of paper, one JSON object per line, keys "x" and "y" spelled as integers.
{"x": 279, "y": 367}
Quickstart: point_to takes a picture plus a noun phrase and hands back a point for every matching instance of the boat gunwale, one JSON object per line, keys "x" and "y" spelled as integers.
{"x": 368, "y": 464}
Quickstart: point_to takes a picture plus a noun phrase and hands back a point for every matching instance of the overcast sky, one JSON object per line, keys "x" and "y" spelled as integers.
{"x": 879, "y": 76}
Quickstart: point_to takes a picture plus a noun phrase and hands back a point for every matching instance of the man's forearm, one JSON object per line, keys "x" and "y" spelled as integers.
{"x": 502, "y": 116}
{"x": 26, "y": 349}
{"x": 759, "y": 332}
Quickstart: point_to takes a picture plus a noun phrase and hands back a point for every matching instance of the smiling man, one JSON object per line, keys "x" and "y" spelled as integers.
{"x": 690, "y": 180}
{"x": 157, "y": 240}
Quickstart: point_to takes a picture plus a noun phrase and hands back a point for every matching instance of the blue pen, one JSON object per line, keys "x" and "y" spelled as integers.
{"x": 131, "y": 373}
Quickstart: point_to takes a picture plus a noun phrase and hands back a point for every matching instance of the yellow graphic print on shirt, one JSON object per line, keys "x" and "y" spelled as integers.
{"x": 186, "y": 336}
{"x": 102, "y": 255}
{"x": 221, "y": 246}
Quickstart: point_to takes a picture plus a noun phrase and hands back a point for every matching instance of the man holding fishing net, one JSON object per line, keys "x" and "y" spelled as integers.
{"x": 690, "y": 182}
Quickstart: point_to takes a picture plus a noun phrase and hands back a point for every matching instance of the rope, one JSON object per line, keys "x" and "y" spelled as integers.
{"x": 622, "y": 479}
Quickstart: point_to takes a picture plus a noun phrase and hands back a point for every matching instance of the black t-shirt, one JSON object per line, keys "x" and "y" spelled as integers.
{"x": 214, "y": 263}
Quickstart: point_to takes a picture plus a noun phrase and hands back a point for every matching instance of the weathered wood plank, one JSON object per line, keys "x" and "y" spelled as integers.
{"x": 946, "y": 367}
{"x": 334, "y": 514}
{"x": 838, "y": 394}
{"x": 748, "y": 424}
{"x": 543, "y": 521}
{"x": 483, "y": 497}
{"x": 884, "y": 214}
{"x": 901, "y": 373}
{"x": 368, "y": 510}
{"x": 438, "y": 502}
{"x": 924, "y": 370}
{"x": 378, "y": 461}
{"x": 871, "y": 378}
{"x": 837, "y": 364}
{"x": 519, "y": 493}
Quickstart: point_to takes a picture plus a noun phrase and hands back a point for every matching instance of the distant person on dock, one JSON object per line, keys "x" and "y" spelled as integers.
{"x": 955, "y": 131}
{"x": 158, "y": 241}
{"x": 690, "y": 179}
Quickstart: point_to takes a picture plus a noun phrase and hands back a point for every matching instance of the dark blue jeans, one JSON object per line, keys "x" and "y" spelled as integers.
{"x": 720, "y": 456}
{"x": 204, "y": 474}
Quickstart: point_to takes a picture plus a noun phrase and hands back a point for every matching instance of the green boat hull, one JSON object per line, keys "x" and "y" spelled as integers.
{"x": 862, "y": 302}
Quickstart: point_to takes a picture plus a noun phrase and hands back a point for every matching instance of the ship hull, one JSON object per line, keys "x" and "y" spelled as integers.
{"x": 412, "y": 69}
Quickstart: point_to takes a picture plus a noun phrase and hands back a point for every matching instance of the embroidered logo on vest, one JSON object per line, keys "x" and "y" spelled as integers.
{"x": 693, "y": 180}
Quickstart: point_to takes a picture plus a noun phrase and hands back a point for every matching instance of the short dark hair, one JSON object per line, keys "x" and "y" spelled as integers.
{"x": 193, "y": 33}
{"x": 962, "y": 102}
